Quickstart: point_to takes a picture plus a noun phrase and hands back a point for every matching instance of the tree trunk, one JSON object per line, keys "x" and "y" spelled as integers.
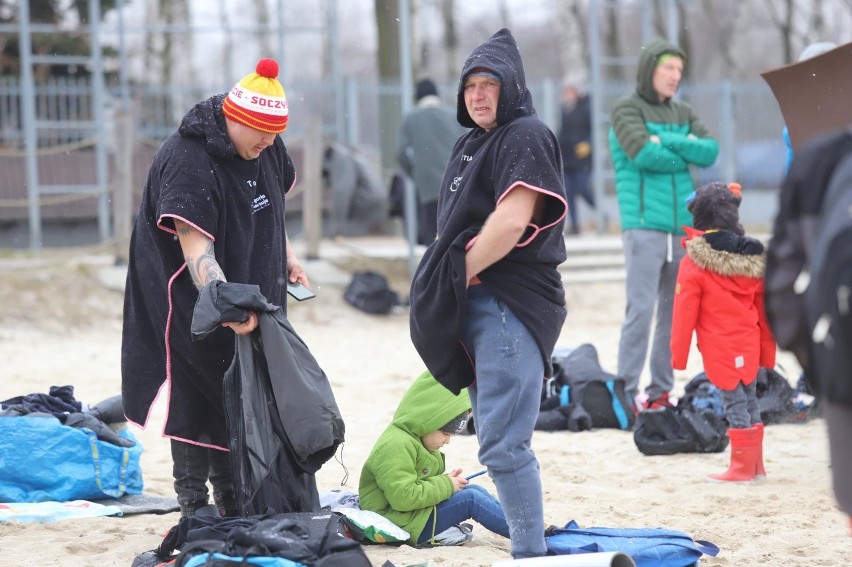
{"x": 723, "y": 21}
{"x": 228, "y": 46}
{"x": 817, "y": 31}
{"x": 783, "y": 20}
{"x": 572, "y": 38}
{"x": 451, "y": 42}
{"x": 614, "y": 73}
{"x": 685, "y": 35}
{"x": 387, "y": 25}
{"x": 263, "y": 19}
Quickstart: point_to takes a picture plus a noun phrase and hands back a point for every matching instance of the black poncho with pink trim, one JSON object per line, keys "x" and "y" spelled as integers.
{"x": 197, "y": 178}
{"x": 484, "y": 167}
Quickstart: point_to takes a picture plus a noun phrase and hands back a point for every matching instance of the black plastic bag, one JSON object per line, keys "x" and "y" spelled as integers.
{"x": 666, "y": 431}
{"x": 370, "y": 292}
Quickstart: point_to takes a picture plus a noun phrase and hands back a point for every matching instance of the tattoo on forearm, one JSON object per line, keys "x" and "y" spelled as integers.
{"x": 205, "y": 268}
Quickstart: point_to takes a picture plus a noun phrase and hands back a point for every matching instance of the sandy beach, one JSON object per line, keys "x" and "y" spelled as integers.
{"x": 62, "y": 325}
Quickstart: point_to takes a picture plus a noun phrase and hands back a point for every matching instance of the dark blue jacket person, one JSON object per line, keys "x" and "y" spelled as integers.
{"x": 487, "y": 303}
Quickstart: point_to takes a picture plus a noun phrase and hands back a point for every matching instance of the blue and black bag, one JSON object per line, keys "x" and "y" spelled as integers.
{"x": 648, "y": 547}
{"x": 582, "y": 396}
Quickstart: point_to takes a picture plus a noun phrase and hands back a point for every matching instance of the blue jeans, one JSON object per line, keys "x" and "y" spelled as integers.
{"x": 192, "y": 465}
{"x": 505, "y": 399}
{"x": 472, "y": 502}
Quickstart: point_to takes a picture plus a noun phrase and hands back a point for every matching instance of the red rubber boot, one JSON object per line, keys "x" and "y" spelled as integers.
{"x": 744, "y": 448}
{"x": 759, "y": 470}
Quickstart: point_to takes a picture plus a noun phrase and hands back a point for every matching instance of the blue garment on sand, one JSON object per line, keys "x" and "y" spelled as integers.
{"x": 652, "y": 547}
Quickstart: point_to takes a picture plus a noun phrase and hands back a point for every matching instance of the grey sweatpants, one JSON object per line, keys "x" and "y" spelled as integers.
{"x": 651, "y": 258}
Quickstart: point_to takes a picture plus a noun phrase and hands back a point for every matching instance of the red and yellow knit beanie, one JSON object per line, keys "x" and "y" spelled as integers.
{"x": 258, "y": 100}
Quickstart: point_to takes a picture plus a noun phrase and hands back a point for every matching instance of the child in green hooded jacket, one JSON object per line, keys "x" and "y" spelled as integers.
{"x": 404, "y": 479}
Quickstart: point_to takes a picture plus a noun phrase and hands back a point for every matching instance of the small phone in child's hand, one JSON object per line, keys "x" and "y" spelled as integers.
{"x": 476, "y": 474}
{"x": 299, "y": 292}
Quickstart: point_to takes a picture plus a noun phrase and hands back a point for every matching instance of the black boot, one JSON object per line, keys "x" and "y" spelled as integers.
{"x": 226, "y": 502}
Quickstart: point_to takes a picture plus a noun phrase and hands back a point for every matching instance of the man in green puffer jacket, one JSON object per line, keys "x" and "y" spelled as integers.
{"x": 404, "y": 478}
{"x": 653, "y": 141}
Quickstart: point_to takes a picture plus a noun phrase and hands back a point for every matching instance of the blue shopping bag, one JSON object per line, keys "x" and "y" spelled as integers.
{"x": 648, "y": 547}
{"x": 43, "y": 460}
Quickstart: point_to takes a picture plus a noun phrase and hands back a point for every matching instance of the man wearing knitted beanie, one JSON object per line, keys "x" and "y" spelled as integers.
{"x": 212, "y": 209}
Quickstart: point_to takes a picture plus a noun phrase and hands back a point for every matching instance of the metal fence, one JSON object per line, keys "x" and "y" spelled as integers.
{"x": 744, "y": 117}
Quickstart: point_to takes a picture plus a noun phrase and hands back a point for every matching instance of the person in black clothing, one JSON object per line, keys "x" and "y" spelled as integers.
{"x": 575, "y": 141}
{"x": 487, "y": 302}
{"x": 212, "y": 209}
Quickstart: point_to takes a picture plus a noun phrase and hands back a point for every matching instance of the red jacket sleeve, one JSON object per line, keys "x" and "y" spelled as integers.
{"x": 687, "y": 301}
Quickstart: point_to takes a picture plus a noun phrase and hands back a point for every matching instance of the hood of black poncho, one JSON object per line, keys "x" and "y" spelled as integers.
{"x": 499, "y": 54}
{"x": 206, "y": 120}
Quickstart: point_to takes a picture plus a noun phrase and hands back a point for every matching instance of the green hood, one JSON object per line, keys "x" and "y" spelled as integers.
{"x": 648, "y": 62}
{"x": 427, "y": 406}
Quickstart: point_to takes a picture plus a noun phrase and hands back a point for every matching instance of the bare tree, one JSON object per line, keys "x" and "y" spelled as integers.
{"x": 659, "y": 19}
{"x": 451, "y": 41}
{"x": 684, "y": 33}
{"x": 613, "y": 43}
{"x": 722, "y": 20}
{"x": 505, "y": 19}
{"x": 228, "y": 46}
{"x": 817, "y": 28}
{"x": 581, "y": 28}
{"x": 263, "y": 20}
{"x": 573, "y": 37}
{"x": 782, "y": 18}
{"x": 387, "y": 25}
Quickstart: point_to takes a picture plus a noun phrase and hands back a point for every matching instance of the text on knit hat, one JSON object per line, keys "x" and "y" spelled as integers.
{"x": 258, "y": 100}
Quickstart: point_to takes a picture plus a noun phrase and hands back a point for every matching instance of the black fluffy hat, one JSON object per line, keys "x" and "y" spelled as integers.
{"x": 425, "y": 87}
{"x": 716, "y": 206}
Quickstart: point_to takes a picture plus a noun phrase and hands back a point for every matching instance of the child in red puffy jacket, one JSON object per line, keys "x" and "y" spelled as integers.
{"x": 719, "y": 295}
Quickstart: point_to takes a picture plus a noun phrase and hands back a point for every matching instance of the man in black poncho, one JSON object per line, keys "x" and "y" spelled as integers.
{"x": 212, "y": 209}
{"x": 487, "y": 303}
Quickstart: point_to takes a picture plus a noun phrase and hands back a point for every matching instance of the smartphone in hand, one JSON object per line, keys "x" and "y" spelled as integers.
{"x": 299, "y": 292}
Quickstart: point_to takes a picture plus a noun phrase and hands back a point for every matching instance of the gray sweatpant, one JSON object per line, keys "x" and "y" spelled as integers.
{"x": 651, "y": 258}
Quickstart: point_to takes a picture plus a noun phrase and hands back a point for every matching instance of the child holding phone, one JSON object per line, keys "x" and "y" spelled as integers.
{"x": 404, "y": 478}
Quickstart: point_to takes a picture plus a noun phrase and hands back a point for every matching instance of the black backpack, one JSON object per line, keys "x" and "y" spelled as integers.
{"x": 680, "y": 429}
{"x": 370, "y": 292}
{"x": 775, "y": 398}
{"x": 314, "y": 539}
{"x": 582, "y": 396}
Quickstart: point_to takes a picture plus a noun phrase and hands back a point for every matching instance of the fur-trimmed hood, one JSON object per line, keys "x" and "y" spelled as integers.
{"x": 728, "y": 254}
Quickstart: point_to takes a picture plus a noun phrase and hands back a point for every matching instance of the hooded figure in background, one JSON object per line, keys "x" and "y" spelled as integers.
{"x": 487, "y": 303}
{"x": 427, "y": 136}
